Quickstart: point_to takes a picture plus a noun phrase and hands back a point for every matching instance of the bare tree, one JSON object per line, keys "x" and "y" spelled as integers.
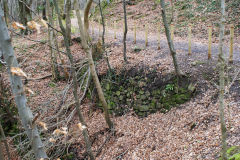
{"x": 75, "y": 85}
{"x": 25, "y": 113}
{"x": 222, "y": 65}
{"x": 170, "y": 42}
{"x": 88, "y": 50}
{"x": 125, "y": 32}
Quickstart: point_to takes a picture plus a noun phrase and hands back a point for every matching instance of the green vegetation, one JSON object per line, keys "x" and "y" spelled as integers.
{"x": 145, "y": 92}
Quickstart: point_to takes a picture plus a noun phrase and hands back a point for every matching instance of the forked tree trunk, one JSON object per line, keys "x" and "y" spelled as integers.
{"x": 88, "y": 50}
{"x": 170, "y": 42}
{"x": 86, "y": 15}
{"x": 55, "y": 72}
{"x": 25, "y": 113}
{"x": 125, "y": 32}
{"x": 222, "y": 65}
{"x": 75, "y": 85}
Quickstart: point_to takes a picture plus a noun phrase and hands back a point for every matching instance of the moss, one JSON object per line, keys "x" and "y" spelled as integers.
{"x": 137, "y": 91}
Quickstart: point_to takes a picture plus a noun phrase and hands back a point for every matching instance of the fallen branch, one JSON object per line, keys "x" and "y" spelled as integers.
{"x": 39, "y": 78}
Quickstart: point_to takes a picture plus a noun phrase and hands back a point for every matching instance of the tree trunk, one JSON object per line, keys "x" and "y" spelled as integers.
{"x": 25, "y": 113}
{"x": 222, "y": 65}
{"x": 68, "y": 21}
{"x": 92, "y": 67}
{"x": 125, "y": 32}
{"x": 103, "y": 35}
{"x": 170, "y": 42}
{"x": 55, "y": 72}
{"x": 24, "y": 13}
{"x": 86, "y": 14}
{"x": 75, "y": 85}
{"x": 6, "y": 11}
{"x": 44, "y": 16}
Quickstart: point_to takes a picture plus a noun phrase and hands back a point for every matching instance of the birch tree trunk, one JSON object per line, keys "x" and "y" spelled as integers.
{"x": 55, "y": 72}
{"x": 75, "y": 85}
{"x": 88, "y": 50}
{"x": 222, "y": 65}
{"x": 25, "y": 113}
{"x": 170, "y": 42}
{"x": 125, "y": 32}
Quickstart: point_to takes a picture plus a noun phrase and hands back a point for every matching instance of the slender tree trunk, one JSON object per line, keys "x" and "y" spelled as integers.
{"x": 25, "y": 113}
{"x": 44, "y": 16}
{"x": 86, "y": 15}
{"x": 75, "y": 85}
{"x": 68, "y": 21}
{"x": 125, "y": 31}
{"x": 170, "y": 42}
{"x": 103, "y": 35}
{"x": 222, "y": 82}
{"x": 24, "y": 13}
{"x": 88, "y": 50}
{"x": 55, "y": 72}
{"x": 6, "y": 11}
{"x": 4, "y": 140}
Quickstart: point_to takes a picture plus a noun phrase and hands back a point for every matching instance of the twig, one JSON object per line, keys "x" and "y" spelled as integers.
{"x": 120, "y": 156}
{"x": 39, "y": 78}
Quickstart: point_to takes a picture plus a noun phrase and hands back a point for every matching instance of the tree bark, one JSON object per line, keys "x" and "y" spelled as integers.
{"x": 125, "y": 32}
{"x": 75, "y": 85}
{"x": 222, "y": 66}
{"x": 25, "y": 113}
{"x": 170, "y": 42}
{"x": 68, "y": 21}
{"x": 88, "y": 50}
{"x": 86, "y": 15}
{"x": 55, "y": 72}
{"x": 103, "y": 35}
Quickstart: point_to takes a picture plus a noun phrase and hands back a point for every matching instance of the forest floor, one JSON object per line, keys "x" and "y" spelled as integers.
{"x": 189, "y": 131}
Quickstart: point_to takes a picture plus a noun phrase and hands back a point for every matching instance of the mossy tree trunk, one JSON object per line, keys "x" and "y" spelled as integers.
{"x": 170, "y": 42}
{"x": 222, "y": 65}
